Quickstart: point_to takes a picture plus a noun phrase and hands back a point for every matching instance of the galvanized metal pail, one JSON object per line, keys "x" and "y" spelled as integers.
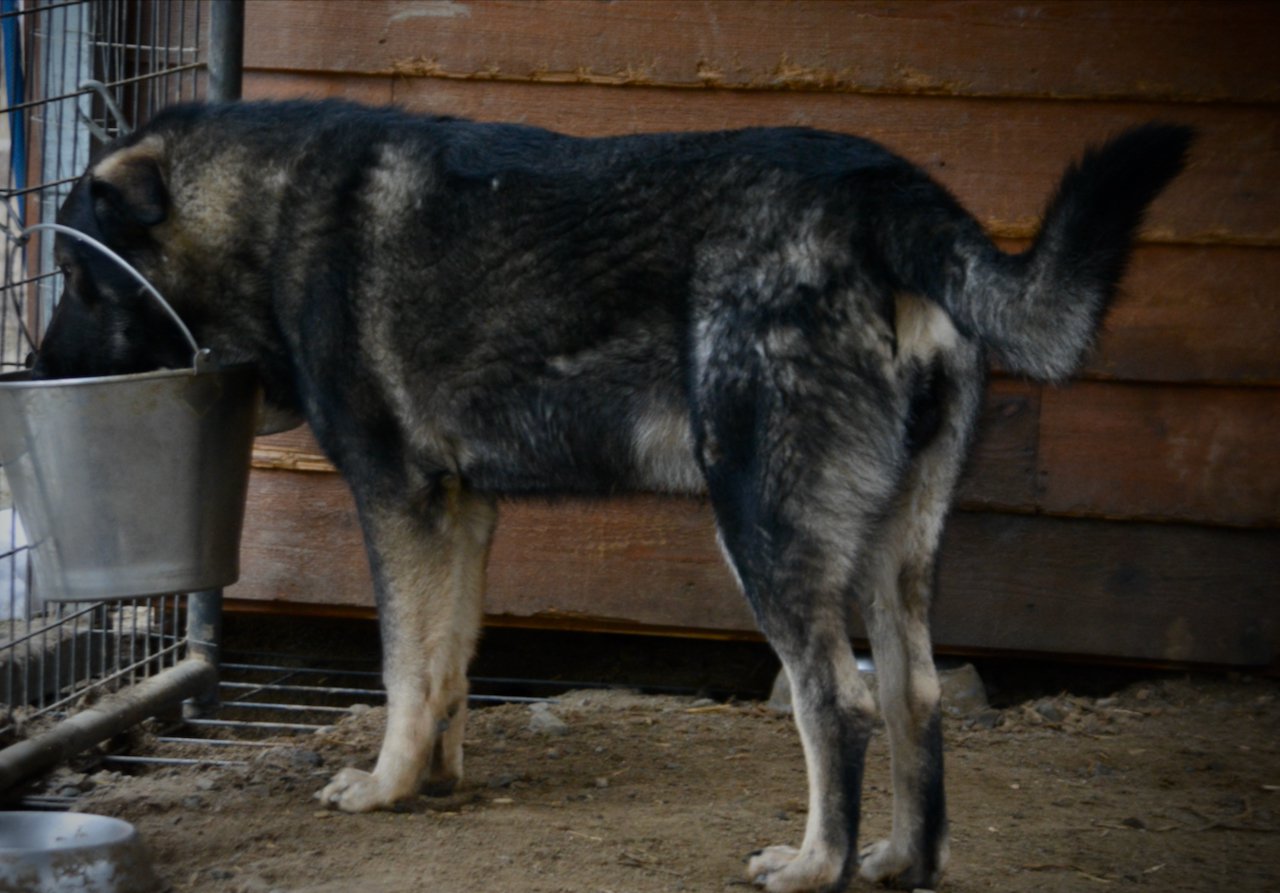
{"x": 130, "y": 485}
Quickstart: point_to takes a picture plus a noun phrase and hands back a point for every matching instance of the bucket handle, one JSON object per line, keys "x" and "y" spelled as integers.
{"x": 201, "y": 358}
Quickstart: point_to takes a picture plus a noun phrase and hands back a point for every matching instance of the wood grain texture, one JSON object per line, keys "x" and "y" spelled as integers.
{"x": 1153, "y": 592}
{"x": 304, "y": 85}
{"x": 1117, "y": 50}
{"x": 1188, "y": 454}
{"x": 1001, "y": 473}
{"x": 1194, "y": 314}
{"x": 1149, "y": 591}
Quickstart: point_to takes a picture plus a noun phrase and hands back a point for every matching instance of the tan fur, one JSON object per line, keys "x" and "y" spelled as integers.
{"x": 663, "y": 446}
{"x": 127, "y": 168}
{"x": 429, "y": 637}
{"x": 923, "y": 328}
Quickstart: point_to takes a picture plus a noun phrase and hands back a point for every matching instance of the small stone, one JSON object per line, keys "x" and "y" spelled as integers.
{"x": 963, "y": 693}
{"x": 780, "y": 697}
{"x": 602, "y": 782}
{"x": 1050, "y": 711}
{"x": 300, "y": 756}
{"x": 543, "y": 722}
{"x": 987, "y": 719}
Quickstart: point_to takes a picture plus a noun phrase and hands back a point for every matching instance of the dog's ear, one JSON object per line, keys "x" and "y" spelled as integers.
{"x": 130, "y": 183}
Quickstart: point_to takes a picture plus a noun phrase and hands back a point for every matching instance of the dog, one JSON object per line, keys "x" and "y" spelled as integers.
{"x": 796, "y": 323}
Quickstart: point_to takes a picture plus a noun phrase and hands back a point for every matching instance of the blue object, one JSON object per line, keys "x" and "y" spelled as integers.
{"x": 16, "y": 90}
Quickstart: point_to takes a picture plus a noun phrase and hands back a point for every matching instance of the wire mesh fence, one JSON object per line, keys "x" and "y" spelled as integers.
{"x": 76, "y": 75}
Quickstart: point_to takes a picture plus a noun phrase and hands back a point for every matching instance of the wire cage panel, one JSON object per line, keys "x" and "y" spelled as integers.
{"x": 75, "y": 76}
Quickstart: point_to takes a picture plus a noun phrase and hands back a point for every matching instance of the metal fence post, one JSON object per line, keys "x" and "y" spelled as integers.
{"x": 226, "y": 50}
{"x": 226, "y": 61}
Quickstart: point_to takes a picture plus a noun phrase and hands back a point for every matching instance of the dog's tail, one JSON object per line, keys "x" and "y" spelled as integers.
{"x": 1038, "y": 312}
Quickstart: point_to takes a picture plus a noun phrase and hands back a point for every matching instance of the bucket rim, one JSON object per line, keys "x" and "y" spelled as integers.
{"x": 22, "y": 378}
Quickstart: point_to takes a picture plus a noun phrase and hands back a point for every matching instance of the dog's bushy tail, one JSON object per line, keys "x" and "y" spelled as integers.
{"x": 1038, "y": 312}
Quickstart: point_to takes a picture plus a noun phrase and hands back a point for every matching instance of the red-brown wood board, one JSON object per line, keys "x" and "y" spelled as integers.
{"x": 1148, "y": 50}
{"x": 1156, "y": 592}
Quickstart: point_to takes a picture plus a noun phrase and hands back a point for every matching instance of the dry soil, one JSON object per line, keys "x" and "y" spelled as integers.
{"x": 1171, "y": 785}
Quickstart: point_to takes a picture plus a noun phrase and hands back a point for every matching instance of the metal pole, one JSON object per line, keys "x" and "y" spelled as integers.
{"x": 114, "y": 712}
{"x": 226, "y": 50}
{"x": 226, "y": 64}
{"x": 204, "y": 642}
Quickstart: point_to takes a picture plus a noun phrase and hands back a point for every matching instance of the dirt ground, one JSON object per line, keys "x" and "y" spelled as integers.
{"x": 1172, "y": 785}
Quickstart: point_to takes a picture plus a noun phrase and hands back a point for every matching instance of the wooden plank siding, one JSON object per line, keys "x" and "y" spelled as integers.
{"x": 1133, "y": 514}
{"x": 1113, "y": 50}
{"x": 1006, "y": 582}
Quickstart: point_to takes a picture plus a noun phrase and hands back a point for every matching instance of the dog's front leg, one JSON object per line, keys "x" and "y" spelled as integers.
{"x": 428, "y": 558}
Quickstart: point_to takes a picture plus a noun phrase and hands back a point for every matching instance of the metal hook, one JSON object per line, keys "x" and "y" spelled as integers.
{"x": 108, "y": 100}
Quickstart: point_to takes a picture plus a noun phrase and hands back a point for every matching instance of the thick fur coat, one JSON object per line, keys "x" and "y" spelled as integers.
{"x": 795, "y": 322}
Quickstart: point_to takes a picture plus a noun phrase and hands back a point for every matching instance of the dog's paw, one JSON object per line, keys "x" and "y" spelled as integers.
{"x": 353, "y": 790}
{"x": 883, "y": 863}
{"x": 784, "y": 869}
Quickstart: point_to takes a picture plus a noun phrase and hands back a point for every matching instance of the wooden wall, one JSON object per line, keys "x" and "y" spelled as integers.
{"x": 1135, "y": 513}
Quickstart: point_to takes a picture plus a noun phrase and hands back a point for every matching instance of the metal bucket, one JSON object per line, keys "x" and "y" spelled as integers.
{"x": 130, "y": 485}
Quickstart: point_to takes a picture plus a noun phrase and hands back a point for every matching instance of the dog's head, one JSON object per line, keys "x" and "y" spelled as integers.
{"x": 105, "y": 323}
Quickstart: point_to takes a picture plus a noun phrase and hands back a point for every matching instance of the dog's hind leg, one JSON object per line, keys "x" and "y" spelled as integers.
{"x": 895, "y": 594}
{"x": 795, "y": 501}
{"x": 895, "y": 609}
{"x": 833, "y": 713}
{"x": 428, "y": 558}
